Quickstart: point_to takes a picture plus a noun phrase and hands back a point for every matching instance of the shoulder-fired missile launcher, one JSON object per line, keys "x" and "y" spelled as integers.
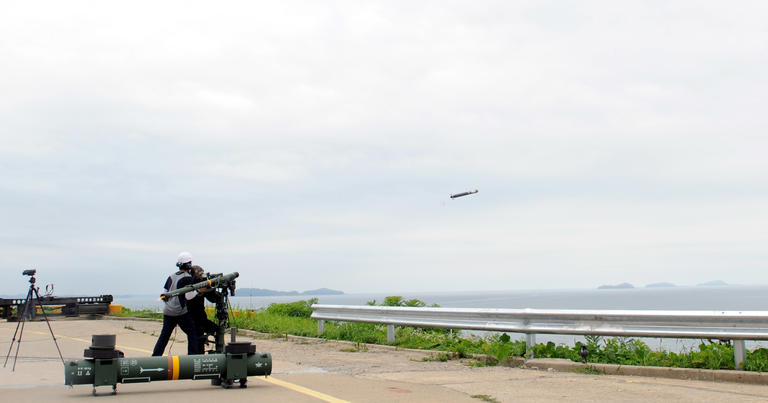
{"x": 222, "y": 281}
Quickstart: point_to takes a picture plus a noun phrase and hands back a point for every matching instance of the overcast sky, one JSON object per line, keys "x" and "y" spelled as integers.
{"x": 315, "y": 144}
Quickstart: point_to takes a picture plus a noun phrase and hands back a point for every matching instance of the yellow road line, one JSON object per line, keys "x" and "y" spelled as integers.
{"x": 58, "y": 336}
{"x": 272, "y": 380}
{"x": 306, "y": 391}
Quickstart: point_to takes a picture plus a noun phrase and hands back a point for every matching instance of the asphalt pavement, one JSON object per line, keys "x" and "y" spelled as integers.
{"x": 312, "y": 370}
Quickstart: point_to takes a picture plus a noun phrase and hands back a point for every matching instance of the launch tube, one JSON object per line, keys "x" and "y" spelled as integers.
{"x": 210, "y": 283}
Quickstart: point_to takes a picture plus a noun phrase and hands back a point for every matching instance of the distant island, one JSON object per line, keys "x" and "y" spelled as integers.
{"x": 663, "y": 284}
{"x": 621, "y": 286}
{"x": 262, "y": 292}
{"x": 660, "y": 285}
{"x": 713, "y": 283}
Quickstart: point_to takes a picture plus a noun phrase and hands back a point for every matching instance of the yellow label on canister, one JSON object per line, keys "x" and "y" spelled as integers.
{"x": 175, "y": 367}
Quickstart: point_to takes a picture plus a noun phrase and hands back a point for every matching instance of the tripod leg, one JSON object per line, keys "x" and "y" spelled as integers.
{"x": 13, "y": 340}
{"x": 37, "y": 295}
{"x": 23, "y": 321}
{"x": 20, "y": 319}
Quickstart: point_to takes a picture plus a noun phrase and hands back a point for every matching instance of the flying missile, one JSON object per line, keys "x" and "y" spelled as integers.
{"x": 453, "y": 196}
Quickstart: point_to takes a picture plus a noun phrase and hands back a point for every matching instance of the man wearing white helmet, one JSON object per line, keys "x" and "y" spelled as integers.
{"x": 175, "y": 310}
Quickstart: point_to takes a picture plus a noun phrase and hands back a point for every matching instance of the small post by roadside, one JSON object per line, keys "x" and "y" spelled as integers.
{"x": 739, "y": 354}
{"x": 390, "y": 334}
{"x": 530, "y": 341}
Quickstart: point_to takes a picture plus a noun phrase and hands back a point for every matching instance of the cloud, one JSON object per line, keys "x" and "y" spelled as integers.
{"x": 606, "y": 139}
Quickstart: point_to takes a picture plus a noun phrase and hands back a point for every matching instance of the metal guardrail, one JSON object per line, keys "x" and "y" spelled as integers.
{"x": 723, "y": 325}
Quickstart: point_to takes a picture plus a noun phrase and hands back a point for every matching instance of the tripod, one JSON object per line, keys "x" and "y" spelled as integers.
{"x": 23, "y": 318}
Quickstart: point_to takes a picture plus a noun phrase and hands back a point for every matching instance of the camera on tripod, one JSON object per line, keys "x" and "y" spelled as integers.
{"x": 25, "y": 312}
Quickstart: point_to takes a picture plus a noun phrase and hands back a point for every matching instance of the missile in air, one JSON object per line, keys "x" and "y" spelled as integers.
{"x": 453, "y": 196}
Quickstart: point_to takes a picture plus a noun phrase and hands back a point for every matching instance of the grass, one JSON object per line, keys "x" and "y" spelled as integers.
{"x": 485, "y": 398}
{"x": 589, "y": 369}
{"x": 441, "y": 356}
{"x": 356, "y": 349}
{"x": 281, "y": 320}
{"x": 139, "y": 313}
{"x": 629, "y": 351}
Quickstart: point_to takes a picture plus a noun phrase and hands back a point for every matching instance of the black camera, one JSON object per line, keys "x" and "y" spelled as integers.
{"x": 30, "y": 272}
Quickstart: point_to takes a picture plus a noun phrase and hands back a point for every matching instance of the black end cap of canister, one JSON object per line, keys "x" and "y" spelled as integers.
{"x": 240, "y": 348}
{"x": 103, "y": 341}
{"x": 103, "y": 347}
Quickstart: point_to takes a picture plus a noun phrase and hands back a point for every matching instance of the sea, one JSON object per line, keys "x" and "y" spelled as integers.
{"x": 708, "y": 298}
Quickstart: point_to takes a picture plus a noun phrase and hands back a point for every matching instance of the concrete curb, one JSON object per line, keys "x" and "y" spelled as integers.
{"x": 711, "y": 375}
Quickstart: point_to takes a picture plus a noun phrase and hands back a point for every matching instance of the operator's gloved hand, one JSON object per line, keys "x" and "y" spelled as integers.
{"x": 164, "y": 296}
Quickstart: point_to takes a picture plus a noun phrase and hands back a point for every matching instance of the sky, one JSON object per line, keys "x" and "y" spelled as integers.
{"x": 311, "y": 144}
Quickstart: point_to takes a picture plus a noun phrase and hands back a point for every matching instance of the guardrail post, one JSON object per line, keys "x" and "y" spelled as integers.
{"x": 530, "y": 341}
{"x": 739, "y": 354}
{"x": 320, "y": 326}
{"x": 390, "y": 333}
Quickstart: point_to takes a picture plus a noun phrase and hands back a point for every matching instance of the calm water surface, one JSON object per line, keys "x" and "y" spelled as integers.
{"x": 730, "y": 298}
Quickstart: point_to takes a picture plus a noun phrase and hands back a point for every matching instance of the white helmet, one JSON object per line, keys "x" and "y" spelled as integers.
{"x": 184, "y": 258}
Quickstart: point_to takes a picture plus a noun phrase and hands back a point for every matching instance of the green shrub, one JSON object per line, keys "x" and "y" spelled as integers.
{"x": 298, "y": 309}
{"x": 501, "y": 347}
{"x": 276, "y": 324}
{"x": 757, "y": 360}
{"x": 464, "y": 347}
{"x": 139, "y": 313}
{"x": 362, "y": 333}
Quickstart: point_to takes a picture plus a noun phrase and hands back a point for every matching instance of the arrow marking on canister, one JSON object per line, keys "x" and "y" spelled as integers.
{"x": 143, "y": 370}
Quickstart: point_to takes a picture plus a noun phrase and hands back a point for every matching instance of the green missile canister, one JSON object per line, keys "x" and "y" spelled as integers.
{"x": 105, "y": 366}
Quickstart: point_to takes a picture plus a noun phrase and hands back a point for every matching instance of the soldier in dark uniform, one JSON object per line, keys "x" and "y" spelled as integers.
{"x": 196, "y": 307}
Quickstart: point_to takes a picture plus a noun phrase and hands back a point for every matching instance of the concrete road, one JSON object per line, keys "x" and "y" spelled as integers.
{"x": 310, "y": 370}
